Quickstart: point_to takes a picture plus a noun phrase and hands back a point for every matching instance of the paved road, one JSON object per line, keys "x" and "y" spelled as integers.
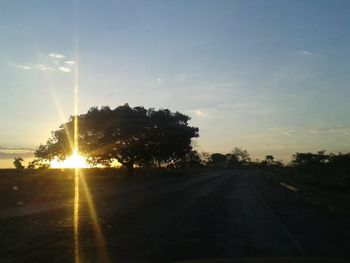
{"x": 216, "y": 214}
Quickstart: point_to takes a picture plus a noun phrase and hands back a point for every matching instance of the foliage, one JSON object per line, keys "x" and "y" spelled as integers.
{"x": 308, "y": 160}
{"x": 270, "y": 161}
{"x": 133, "y": 136}
{"x": 217, "y": 160}
{"x": 241, "y": 155}
{"x": 327, "y": 171}
{"x": 232, "y": 160}
{"x": 38, "y": 163}
{"x": 237, "y": 158}
{"x": 18, "y": 163}
{"x": 193, "y": 159}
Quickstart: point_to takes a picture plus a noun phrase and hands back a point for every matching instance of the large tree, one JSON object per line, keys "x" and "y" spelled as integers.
{"x": 132, "y": 136}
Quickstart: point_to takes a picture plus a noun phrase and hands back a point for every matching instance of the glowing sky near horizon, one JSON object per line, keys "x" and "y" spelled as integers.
{"x": 269, "y": 76}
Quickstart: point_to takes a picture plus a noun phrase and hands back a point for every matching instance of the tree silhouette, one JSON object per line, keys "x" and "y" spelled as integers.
{"x": 18, "y": 163}
{"x": 339, "y": 160}
{"x": 242, "y": 156}
{"x": 133, "y": 136}
{"x": 270, "y": 161}
{"x": 232, "y": 160}
{"x": 217, "y": 160}
{"x": 193, "y": 159}
{"x": 310, "y": 160}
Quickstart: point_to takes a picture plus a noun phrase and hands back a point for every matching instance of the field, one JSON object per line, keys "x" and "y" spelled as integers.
{"x": 162, "y": 216}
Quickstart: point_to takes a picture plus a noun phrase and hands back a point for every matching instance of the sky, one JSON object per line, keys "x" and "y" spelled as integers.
{"x": 272, "y": 77}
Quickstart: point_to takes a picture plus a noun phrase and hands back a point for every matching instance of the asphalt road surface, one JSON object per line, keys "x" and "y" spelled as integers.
{"x": 212, "y": 214}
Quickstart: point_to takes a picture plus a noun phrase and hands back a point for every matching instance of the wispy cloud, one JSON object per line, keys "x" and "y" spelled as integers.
{"x": 57, "y": 55}
{"x": 43, "y": 67}
{"x": 52, "y": 62}
{"x": 3, "y": 148}
{"x": 289, "y": 132}
{"x": 306, "y": 53}
{"x": 22, "y": 67}
{"x": 274, "y": 128}
{"x": 11, "y": 152}
{"x": 336, "y": 129}
{"x": 64, "y": 69}
{"x": 199, "y": 113}
{"x": 70, "y": 62}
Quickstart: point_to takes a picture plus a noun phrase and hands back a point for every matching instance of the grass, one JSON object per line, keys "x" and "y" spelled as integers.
{"x": 327, "y": 188}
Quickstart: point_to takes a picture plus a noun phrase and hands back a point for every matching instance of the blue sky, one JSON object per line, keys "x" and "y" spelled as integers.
{"x": 269, "y": 76}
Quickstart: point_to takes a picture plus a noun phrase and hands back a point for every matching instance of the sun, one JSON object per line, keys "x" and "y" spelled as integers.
{"x": 74, "y": 161}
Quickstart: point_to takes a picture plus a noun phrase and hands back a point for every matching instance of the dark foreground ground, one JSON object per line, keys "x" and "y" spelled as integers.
{"x": 209, "y": 214}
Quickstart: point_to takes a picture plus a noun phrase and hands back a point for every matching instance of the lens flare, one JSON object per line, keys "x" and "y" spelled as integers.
{"x": 75, "y": 161}
{"x": 76, "y": 216}
{"x": 79, "y": 162}
{"x": 76, "y": 158}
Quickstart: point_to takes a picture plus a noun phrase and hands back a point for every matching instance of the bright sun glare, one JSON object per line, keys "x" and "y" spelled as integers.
{"x": 73, "y": 161}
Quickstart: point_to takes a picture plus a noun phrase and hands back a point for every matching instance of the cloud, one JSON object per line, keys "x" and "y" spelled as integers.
{"x": 336, "y": 129}
{"x": 9, "y": 152}
{"x": 3, "y": 148}
{"x": 274, "y": 128}
{"x": 289, "y": 132}
{"x": 42, "y": 67}
{"x": 64, "y": 69}
{"x": 56, "y": 55}
{"x": 54, "y": 63}
{"x": 199, "y": 113}
{"x": 306, "y": 53}
{"x": 22, "y": 67}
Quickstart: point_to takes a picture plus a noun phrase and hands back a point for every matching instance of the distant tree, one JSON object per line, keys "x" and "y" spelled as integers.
{"x": 270, "y": 161}
{"x": 232, "y": 160}
{"x": 242, "y": 156}
{"x": 321, "y": 160}
{"x": 37, "y": 163}
{"x": 31, "y": 166}
{"x": 310, "y": 160}
{"x": 279, "y": 163}
{"x": 18, "y": 163}
{"x": 205, "y": 157}
{"x": 217, "y": 160}
{"x": 339, "y": 160}
{"x": 193, "y": 159}
{"x": 269, "y": 158}
{"x": 132, "y": 136}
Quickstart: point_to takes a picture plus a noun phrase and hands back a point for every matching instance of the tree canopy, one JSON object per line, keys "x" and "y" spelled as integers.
{"x": 132, "y": 136}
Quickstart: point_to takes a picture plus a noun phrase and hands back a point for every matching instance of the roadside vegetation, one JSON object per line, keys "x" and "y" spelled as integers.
{"x": 149, "y": 141}
{"x": 323, "y": 179}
